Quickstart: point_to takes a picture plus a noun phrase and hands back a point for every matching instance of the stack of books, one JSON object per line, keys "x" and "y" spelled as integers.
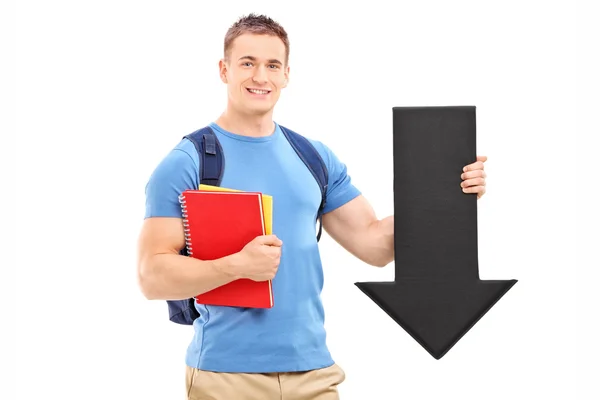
{"x": 219, "y": 222}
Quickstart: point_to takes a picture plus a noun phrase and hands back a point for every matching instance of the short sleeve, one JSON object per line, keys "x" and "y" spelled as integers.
{"x": 177, "y": 172}
{"x": 340, "y": 188}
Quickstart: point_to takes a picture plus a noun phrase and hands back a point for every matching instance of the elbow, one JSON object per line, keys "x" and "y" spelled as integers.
{"x": 145, "y": 279}
{"x": 147, "y": 289}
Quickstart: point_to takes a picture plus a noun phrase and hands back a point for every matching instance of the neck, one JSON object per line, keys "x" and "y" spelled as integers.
{"x": 254, "y": 125}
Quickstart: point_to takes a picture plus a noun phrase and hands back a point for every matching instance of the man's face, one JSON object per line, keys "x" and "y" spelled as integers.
{"x": 255, "y": 73}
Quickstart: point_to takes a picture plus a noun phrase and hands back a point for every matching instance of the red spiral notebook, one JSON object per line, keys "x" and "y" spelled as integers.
{"x": 218, "y": 224}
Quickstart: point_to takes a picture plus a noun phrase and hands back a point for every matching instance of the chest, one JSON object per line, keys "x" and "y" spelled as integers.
{"x": 273, "y": 169}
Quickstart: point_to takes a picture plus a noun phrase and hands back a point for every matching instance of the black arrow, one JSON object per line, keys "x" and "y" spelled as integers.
{"x": 437, "y": 296}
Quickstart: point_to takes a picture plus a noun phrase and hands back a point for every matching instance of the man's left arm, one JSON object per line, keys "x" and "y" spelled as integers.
{"x": 356, "y": 227}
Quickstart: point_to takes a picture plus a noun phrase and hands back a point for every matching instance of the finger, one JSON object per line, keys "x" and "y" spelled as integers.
{"x": 478, "y": 173}
{"x": 271, "y": 240}
{"x": 482, "y": 158}
{"x": 275, "y": 252}
{"x": 474, "y": 189}
{"x": 473, "y": 182}
{"x": 473, "y": 166}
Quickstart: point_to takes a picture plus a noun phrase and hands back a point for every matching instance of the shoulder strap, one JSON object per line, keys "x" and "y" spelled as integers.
{"x": 210, "y": 153}
{"x": 311, "y": 157}
{"x": 212, "y": 164}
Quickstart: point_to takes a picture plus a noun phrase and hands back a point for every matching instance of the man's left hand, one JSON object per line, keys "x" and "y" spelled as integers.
{"x": 473, "y": 177}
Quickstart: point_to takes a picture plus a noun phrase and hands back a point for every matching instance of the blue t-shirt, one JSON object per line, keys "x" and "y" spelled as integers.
{"x": 291, "y": 335}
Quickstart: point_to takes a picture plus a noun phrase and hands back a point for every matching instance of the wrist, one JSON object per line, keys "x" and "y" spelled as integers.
{"x": 231, "y": 266}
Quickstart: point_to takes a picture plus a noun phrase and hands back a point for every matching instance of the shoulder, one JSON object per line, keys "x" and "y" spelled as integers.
{"x": 176, "y": 172}
{"x": 328, "y": 156}
{"x": 183, "y": 155}
{"x": 180, "y": 160}
{"x": 340, "y": 187}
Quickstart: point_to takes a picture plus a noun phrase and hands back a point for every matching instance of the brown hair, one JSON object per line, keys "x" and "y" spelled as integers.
{"x": 258, "y": 25}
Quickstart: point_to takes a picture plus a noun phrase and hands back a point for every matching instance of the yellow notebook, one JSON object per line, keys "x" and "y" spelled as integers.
{"x": 266, "y": 199}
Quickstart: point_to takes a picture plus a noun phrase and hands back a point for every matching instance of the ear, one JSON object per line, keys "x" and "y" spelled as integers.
{"x": 286, "y": 74}
{"x": 223, "y": 70}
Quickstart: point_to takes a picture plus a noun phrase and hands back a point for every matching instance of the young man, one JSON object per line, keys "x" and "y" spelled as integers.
{"x": 280, "y": 352}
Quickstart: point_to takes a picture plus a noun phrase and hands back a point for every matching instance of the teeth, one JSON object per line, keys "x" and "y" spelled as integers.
{"x": 256, "y": 91}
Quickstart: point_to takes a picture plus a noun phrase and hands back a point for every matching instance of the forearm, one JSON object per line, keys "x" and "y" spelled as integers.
{"x": 175, "y": 277}
{"x": 378, "y": 242}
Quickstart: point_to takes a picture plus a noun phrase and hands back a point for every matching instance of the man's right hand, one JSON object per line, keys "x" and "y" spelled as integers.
{"x": 259, "y": 259}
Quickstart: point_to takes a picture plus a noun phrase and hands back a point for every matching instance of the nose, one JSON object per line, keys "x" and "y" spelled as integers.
{"x": 260, "y": 76}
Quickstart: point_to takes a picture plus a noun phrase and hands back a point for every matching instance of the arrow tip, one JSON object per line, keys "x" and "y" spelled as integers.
{"x": 437, "y": 314}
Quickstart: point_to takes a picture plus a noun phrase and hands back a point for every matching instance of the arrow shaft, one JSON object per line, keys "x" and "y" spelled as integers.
{"x": 435, "y": 222}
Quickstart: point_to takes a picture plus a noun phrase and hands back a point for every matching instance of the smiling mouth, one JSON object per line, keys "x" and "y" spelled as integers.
{"x": 258, "y": 91}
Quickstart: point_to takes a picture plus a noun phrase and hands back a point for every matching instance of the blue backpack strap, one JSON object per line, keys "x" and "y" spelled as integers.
{"x": 212, "y": 165}
{"x": 210, "y": 153}
{"x": 311, "y": 157}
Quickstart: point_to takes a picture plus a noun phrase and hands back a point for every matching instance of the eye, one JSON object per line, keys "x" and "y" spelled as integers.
{"x": 247, "y": 64}
{"x": 274, "y": 66}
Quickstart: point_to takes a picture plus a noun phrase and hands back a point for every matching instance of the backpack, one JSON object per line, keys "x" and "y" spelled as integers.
{"x": 212, "y": 165}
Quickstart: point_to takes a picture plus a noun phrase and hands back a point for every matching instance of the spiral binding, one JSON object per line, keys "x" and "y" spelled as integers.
{"x": 186, "y": 226}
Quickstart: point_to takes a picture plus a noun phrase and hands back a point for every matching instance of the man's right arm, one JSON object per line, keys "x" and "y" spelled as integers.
{"x": 165, "y": 274}
{"x": 162, "y": 272}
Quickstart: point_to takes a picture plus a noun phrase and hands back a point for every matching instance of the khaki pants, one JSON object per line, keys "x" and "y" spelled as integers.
{"x": 319, "y": 384}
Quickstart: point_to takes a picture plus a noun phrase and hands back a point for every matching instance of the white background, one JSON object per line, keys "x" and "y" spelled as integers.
{"x": 105, "y": 89}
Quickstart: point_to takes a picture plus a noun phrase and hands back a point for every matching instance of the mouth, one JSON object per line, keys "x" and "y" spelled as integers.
{"x": 260, "y": 92}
